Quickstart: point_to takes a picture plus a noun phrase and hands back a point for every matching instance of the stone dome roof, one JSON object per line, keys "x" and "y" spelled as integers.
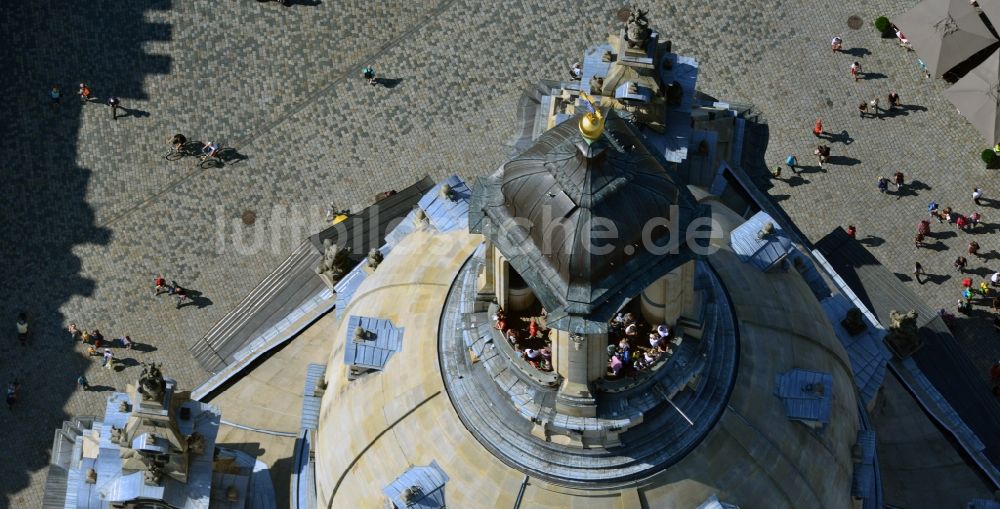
{"x": 584, "y": 223}
{"x": 376, "y": 427}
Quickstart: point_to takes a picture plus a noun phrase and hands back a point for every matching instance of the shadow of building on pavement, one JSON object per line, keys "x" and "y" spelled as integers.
{"x": 46, "y": 216}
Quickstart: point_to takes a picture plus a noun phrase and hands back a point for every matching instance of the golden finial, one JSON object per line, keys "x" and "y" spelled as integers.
{"x": 592, "y": 123}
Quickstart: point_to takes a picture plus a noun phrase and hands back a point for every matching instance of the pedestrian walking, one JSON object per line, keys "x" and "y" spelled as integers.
{"x": 822, "y": 153}
{"x": 862, "y": 109}
{"x": 946, "y": 214}
{"x": 918, "y": 270}
{"x": 180, "y": 293}
{"x": 818, "y": 127}
{"x": 974, "y": 248}
{"x": 852, "y": 232}
{"x": 960, "y": 221}
{"x": 918, "y": 241}
{"x": 960, "y": 264}
{"x": 13, "y": 388}
{"x": 115, "y": 104}
{"x": 874, "y": 104}
{"x": 893, "y": 100}
{"x": 923, "y": 69}
{"x": 883, "y": 185}
{"x": 82, "y": 383}
{"x": 791, "y": 162}
{"x": 84, "y": 93}
{"x": 22, "y": 328}
{"x": 74, "y": 332}
{"x": 126, "y": 342}
{"x": 776, "y": 172}
{"x": 160, "y": 285}
{"x": 109, "y": 357}
{"x": 54, "y": 95}
{"x": 924, "y": 227}
{"x": 899, "y": 179}
{"x": 97, "y": 338}
{"x": 837, "y": 43}
{"x": 856, "y": 71}
{"x": 368, "y": 72}
{"x": 974, "y": 219}
{"x": 932, "y": 209}
{"x": 977, "y": 195}
{"x": 995, "y": 279}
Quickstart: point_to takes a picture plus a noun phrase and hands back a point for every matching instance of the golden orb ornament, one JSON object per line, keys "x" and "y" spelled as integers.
{"x": 591, "y": 126}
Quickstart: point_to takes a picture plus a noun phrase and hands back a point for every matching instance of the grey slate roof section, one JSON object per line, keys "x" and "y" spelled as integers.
{"x": 346, "y": 287}
{"x": 374, "y": 352}
{"x": 642, "y": 94}
{"x": 866, "y": 351}
{"x": 807, "y": 395}
{"x": 568, "y": 199}
{"x": 763, "y": 253}
{"x": 303, "y": 479}
{"x": 310, "y": 402}
{"x": 430, "y": 482}
{"x": 115, "y": 485}
{"x": 594, "y": 66}
{"x": 445, "y": 214}
{"x": 673, "y": 144}
{"x": 863, "y": 478}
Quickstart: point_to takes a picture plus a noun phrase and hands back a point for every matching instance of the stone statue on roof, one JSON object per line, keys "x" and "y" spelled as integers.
{"x": 151, "y": 384}
{"x": 903, "y": 338}
{"x": 637, "y": 28}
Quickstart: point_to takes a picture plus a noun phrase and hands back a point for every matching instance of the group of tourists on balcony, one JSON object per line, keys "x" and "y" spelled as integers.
{"x": 625, "y": 353}
{"x": 524, "y": 340}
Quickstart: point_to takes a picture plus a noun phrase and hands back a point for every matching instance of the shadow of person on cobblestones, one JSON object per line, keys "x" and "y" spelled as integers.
{"x": 871, "y": 241}
{"x": 47, "y": 218}
{"x": 841, "y": 137}
{"x": 100, "y": 388}
{"x": 143, "y": 347}
{"x": 942, "y": 234}
{"x": 132, "y": 112}
{"x": 811, "y": 169}
{"x": 873, "y": 76}
{"x": 389, "y": 83}
{"x": 935, "y": 246}
{"x": 856, "y": 52}
{"x": 195, "y": 298}
{"x": 912, "y": 107}
{"x": 989, "y": 202}
{"x": 937, "y": 279}
{"x": 795, "y": 181}
{"x": 843, "y": 161}
{"x": 992, "y": 254}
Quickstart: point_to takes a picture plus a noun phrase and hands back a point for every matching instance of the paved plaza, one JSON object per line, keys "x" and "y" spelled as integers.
{"x": 92, "y": 211}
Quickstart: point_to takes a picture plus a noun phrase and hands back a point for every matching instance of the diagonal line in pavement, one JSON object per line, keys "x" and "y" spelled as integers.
{"x": 343, "y": 75}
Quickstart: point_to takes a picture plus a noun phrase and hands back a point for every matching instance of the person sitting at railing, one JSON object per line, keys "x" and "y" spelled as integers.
{"x": 625, "y": 350}
{"x": 534, "y": 357}
{"x": 616, "y": 364}
{"x": 512, "y": 337}
{"x": 655, "y": 340}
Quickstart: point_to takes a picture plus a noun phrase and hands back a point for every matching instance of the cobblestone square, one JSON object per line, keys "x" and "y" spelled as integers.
{"x": 92, "y": 211}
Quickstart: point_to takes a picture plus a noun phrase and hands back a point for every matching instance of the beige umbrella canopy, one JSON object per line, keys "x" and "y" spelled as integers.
{"x": 944, "y": 32}
{"x": 977, "y": 97}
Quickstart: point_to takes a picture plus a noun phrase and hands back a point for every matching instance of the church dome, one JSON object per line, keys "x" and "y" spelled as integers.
{"x": 587, "y": 225}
